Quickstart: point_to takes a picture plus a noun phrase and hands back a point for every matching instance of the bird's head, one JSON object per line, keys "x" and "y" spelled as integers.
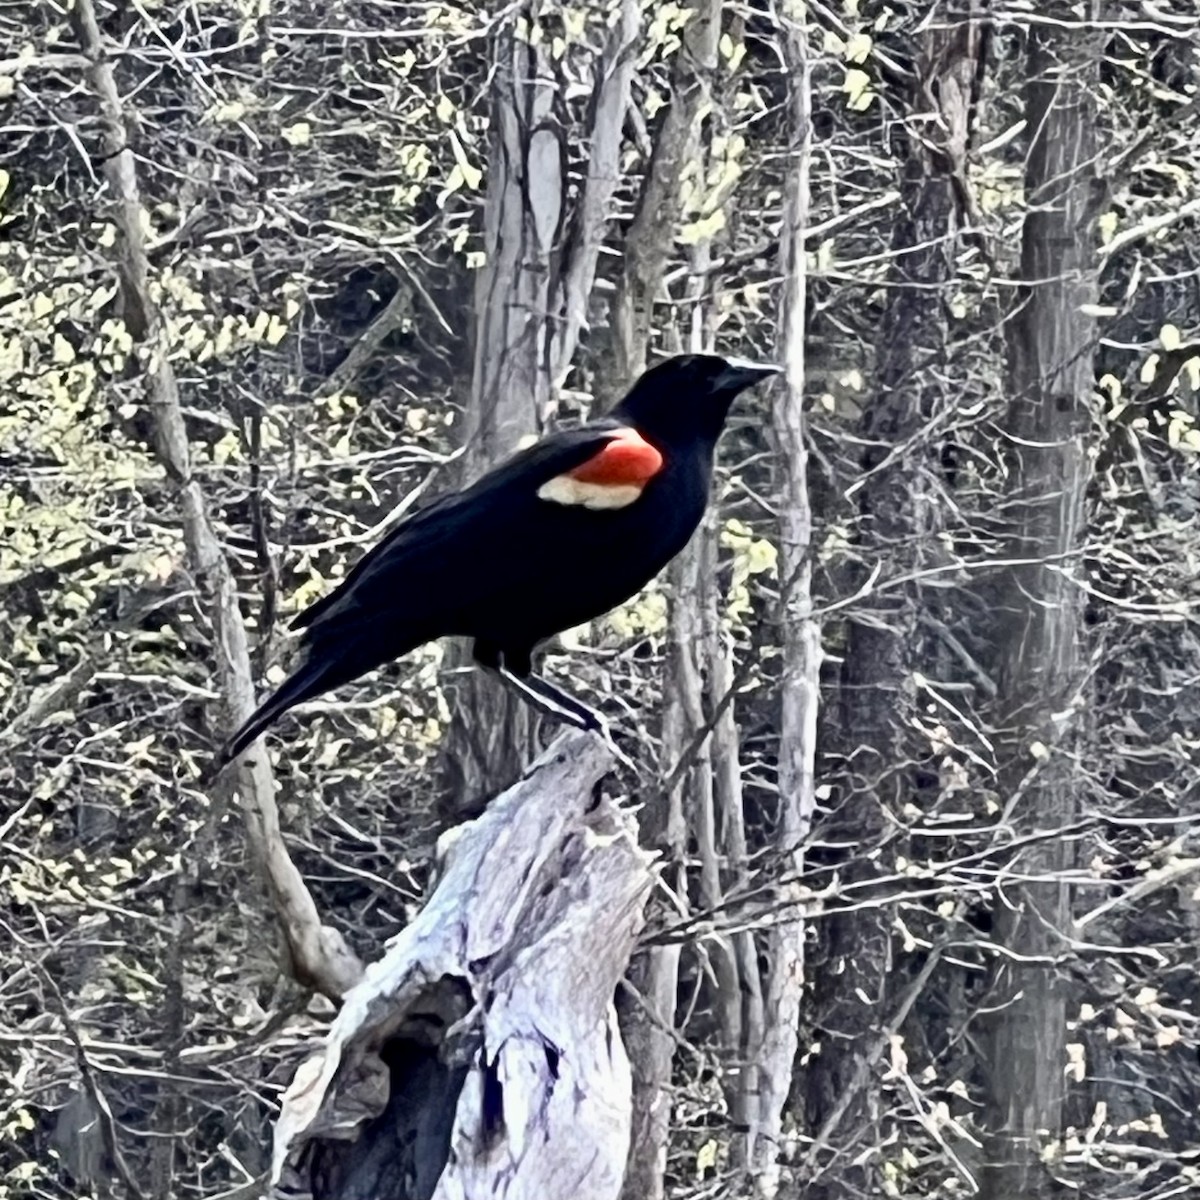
{"x": 688, "y": 396}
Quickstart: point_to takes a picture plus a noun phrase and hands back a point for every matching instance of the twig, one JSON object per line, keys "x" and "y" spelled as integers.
{"x": 867, "y": 1062}
{"x": 54, "y": 697}
{"x": 104, "y": 1116}
{"x": 390, "y": 319}
{"x": 47, "y": 576}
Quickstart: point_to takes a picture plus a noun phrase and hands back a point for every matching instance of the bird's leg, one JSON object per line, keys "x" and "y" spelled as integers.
{"x": 554, "y": 702}
{"x": 548, "y": 699}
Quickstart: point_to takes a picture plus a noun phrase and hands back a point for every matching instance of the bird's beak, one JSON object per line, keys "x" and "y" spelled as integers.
{"x": 740, "y": 373}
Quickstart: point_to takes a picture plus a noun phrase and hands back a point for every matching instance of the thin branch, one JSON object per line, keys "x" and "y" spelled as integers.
{"x": 104, "y": 1116}
{"x": 319, "y": 954}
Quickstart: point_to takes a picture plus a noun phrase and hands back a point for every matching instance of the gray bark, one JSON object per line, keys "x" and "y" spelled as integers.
{"x": 718, "y": 823}
{"x": 1042, "y": 665}
{"x": 612, "y": 75}
{"x": 480, "y": 1057}
{"x": 702, "y": 671}
{"x": 651, "y": 234}
{"x": 899, "y": 519}
{"x": 490, "y": 737}
{"x": 1042, "y": 670}
{"x": 531, "y": 305}
{"x": 649, "y": 1019}
{"x": 782, "y": 987}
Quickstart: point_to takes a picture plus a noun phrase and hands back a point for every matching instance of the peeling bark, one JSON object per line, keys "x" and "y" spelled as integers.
{"x": 481, "y": 1056}
{"x": 319, "y": 955}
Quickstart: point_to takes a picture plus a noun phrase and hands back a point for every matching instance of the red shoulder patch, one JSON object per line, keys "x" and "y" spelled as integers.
{"x": 628, "y": 459}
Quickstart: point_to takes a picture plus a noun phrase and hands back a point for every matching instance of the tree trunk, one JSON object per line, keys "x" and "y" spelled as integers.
{"x": 649, "y": 1018}
{"x": 490, "y": 737}
{"x": 530, "y": 305}
{"x": 700, "y": 676}
{"x": 799, "y": 681}
{"x": 1040, "y": 634}
{"x": 612, "y": 76}
{"x": 649, "y": 1021}
{"x": 481, "y": 1055}
{"x": 716, "y": 806}
{"x": 651, "y": 235}
{"x": 898, "y": 515}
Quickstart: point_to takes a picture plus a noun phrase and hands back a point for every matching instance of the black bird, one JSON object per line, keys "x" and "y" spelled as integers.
{"x": 559, "y": 534}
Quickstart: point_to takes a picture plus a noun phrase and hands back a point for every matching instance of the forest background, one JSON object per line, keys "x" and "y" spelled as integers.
{"x": 273, "y": 271}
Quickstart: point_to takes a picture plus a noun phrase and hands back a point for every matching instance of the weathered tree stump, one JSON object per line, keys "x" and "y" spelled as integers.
{"x": 481, "y": 1055}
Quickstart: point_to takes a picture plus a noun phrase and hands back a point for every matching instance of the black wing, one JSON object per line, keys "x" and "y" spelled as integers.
{"x": 415, "y": 549}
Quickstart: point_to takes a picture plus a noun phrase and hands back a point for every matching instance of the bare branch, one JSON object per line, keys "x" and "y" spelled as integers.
{"x": 320, "y": 956}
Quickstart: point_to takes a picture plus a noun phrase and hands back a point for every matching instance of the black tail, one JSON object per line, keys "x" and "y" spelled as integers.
{"x": 310, "y": 680}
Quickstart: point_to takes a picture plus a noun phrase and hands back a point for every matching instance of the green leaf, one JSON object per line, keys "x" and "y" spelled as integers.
{"x": 858, "y": 48}
{"x": 703, "y": 229}
{"x": 299, "y": 134}
{"x": 857, "y": 86}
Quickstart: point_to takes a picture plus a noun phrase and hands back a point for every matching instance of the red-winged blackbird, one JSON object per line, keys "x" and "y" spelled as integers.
{"x": 559, "y": 534}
